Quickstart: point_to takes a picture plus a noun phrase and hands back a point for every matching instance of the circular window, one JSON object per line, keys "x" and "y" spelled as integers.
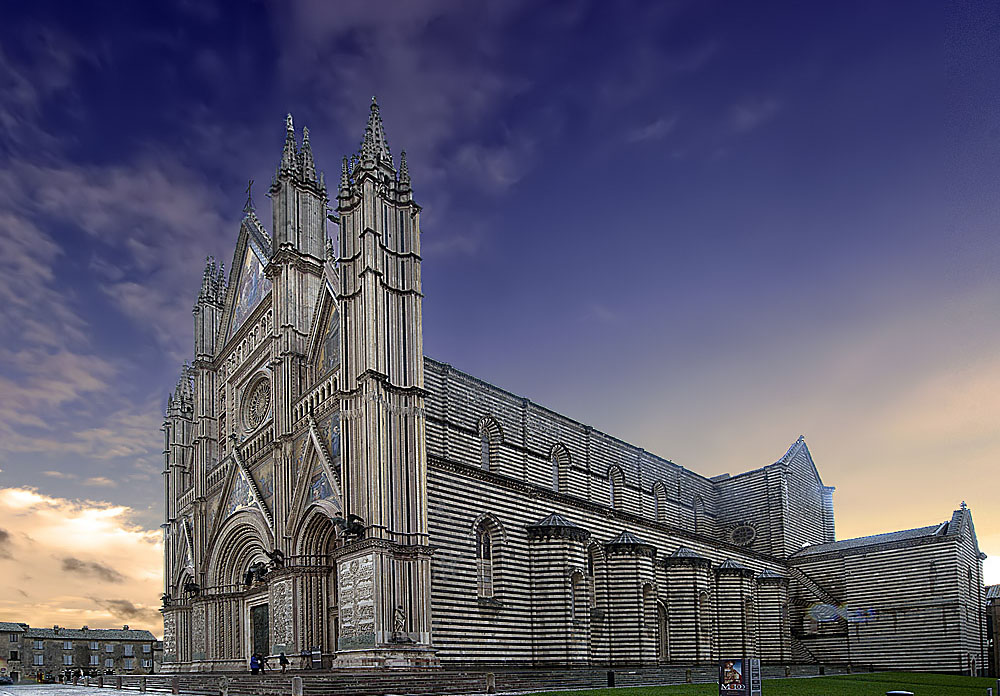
{"x": 743, "y": 534}
{"x": 256, "y": 403}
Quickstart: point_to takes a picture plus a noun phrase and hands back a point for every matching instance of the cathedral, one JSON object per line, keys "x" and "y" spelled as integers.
{"x": 333, "y": 494}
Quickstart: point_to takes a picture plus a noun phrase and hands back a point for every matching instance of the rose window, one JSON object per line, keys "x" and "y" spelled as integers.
{"x": 258, "y": 401}
{"x": 743, "y": 535}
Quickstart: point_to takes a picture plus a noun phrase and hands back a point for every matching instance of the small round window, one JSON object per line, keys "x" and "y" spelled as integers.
{"x": 743, "y": 535}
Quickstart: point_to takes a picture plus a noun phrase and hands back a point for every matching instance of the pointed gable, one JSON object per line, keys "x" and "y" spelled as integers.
{"x": 328, "y": 345}
{"x": 251, "y": 287}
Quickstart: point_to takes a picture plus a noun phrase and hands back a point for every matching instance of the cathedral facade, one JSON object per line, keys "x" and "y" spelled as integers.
{"x": 331, "y": 491}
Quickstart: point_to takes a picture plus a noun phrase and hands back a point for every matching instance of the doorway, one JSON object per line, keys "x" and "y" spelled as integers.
{"x": 260, "y": 630}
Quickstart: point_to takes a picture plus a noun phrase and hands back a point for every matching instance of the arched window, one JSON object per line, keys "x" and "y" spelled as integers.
{"x": 661, "y": 623}
{"x": 490, "y": 437}
{"x": 484, "y": 559}
{"x": 484, "y": 450}
{"x": 704, "y": 616}
{"x": 699, "y": 514}
{"x": 592, "y": 559}
{"x": 576, "y": 598}
{"x": 559, "y": 461}
{"x": 616, "y": 480}
{"x": 659, "y": 502}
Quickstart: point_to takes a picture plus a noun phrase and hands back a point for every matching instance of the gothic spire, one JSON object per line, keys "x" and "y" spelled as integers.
{"x": 207, "y": 279}
{"x": 345, "y": 181}
{"x": 404, "y": 172}
{"x": 289, "y": 155}
{"x": 306, "y": 156}
{"x": 220, "y": 285}
{"x": 375, "y": 146}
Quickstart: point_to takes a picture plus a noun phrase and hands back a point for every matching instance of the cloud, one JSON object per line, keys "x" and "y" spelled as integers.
{"x": 654, "y": 130}
{"x": 751, "y": 114}
{"x": 5, "y": 544}
{"x": 119, "y": 554}
{"x": 124, "y": 609}
{"x": 99, "y": 481}
{"x": 92, "y": 568}
{"x": 58, "y": 475}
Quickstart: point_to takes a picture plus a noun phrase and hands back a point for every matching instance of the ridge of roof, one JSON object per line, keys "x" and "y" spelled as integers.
{"x": 873, "y": 539}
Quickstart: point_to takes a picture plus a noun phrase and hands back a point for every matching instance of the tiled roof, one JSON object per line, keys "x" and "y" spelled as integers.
{"x": 730, "y": 564}
{"x": 685, "y": 552}
{"x": 768, "y": 573}
{"x": 10, "y": 627}
{"x": 628, "y": 538}
{"x": 554, "y": 520}
{"x": 89, "y": 634}
{"x": 888, "y": 538}
{"x": 992, "y": 591}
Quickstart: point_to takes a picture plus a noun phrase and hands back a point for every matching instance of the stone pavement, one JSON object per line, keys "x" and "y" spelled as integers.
{"x": 34, "y": 689}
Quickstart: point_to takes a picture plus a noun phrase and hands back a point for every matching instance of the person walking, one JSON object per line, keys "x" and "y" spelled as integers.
{"x": 254, "y": 664}
{"x": 263, "y": 664}
{"x": 283, "y": 661}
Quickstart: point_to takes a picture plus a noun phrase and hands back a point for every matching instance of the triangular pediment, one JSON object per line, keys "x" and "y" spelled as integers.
{"x": 318, "y": 469}
{"x": 248, "y": 285}
{"x": 324, "y": 334}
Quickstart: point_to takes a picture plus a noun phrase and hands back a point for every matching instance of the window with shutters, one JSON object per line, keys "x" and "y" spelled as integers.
{"x": 67, "y": 659}
{"x": 94, "y": 645}
{"x": 129, "y": 663}
{"x": 95, "y": 660}
{"x": 128, "y": 650}
{"x": 67, "y": 645}
{"x": 39, "y": 660}
{"x": 109, "y": 663}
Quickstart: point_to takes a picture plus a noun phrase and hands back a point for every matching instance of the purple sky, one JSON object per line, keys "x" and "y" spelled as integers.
{"x": 703, "y": 227}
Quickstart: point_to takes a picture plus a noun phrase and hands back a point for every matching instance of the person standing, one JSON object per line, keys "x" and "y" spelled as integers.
{"x": 283, "y": 661}
{"x": 254, "y": 664}
{"x": 263, "y": 664}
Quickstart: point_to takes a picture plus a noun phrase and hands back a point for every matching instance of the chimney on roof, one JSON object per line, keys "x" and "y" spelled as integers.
{"x": 55, "y": 629}
{"x": 125, "y": 627}
{"x": 85, "y": 628}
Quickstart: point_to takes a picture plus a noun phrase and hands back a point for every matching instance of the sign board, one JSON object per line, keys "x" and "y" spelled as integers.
{"x": 754, "y": 676}
{"x": 732, "y": 680}
{"x": 740, "y": 677}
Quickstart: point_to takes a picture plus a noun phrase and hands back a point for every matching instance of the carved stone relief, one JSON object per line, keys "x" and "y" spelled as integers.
{"x": 170, "y": 637}
{"x": 282, "y": 618}
{"x": 198, "y": 644}
{"x": 357, "y": 602}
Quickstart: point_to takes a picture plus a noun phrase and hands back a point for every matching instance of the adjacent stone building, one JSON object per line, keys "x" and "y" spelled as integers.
{"x": 330, "y": 489}
{"x": 32, "y": 652}
{"x": 11, "y": 649}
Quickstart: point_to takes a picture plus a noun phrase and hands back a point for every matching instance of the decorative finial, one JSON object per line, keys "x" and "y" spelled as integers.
{"x": 248, "y": 208}
{"x": 289, "y": 126}
{"x": 964, "y": 506}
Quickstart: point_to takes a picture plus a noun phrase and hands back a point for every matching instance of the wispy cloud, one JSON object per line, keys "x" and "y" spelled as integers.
{"x": 91, "y": 568}
{"x": 753, "y": 113}
{"x": 654, "y": 130}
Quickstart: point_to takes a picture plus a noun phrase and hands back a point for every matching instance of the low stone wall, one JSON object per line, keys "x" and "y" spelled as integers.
{"x": 440, "y": 681}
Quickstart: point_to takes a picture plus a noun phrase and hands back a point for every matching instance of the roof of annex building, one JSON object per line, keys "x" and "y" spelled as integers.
{"x": 87, "y": 633}
{"x": 887, "y": 538}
